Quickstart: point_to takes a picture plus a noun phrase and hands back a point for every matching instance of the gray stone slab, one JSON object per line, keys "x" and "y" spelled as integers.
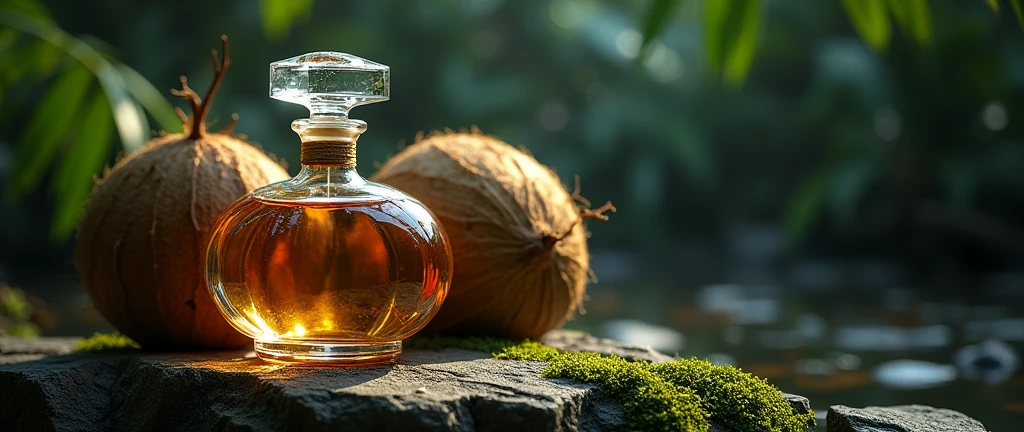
{"x": 901, "y": 418}
{"x": 446, "y": 390}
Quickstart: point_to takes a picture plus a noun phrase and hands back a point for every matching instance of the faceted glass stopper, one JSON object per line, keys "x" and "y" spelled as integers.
{"x": 329, "y": 84}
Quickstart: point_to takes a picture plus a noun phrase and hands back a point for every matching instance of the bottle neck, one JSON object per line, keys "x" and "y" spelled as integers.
{"x": 330, "y": 154}
{"x": 320, "y": 174}
{"x": 328, "y": 142}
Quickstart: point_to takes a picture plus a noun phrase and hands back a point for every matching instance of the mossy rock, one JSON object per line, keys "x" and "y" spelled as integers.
{"x": 683, "y": 394}
{"x": 428, "y": 390}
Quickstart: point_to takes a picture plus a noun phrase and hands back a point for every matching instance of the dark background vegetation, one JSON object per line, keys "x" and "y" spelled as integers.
{"x": 850, "y": 183}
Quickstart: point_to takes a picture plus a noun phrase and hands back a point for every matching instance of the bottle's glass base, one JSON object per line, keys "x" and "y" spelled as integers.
{"x": 324, "y": 353}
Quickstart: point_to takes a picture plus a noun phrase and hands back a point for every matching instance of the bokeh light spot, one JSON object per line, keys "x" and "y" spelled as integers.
{"x": 628, "y": 43}
{"x": 994, "y": 116}
{"x": 553, "y": 116}
{"x": 888, "y": 124}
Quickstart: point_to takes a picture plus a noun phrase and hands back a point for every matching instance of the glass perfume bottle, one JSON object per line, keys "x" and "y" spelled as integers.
{"x": 328, "y": 268}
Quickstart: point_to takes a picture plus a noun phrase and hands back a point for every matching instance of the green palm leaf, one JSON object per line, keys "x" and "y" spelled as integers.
{"x": 870, "y": 18}
{"x": 913, "y": 18}
{"x": 40, "y": 141}
{"x": 89, "y": 150}
{"x": 731, "y": 30}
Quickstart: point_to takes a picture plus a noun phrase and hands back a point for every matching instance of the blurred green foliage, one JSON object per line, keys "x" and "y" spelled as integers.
{"x": 871, "y": 19}
{"x": 692, "y": 116}
{"x": 279, "y": 15}
{"x": 732, "y": 28}
{"x": 16, "y": 313}
{"x": 72, "y": 115}
{"x": 44, "y": 51}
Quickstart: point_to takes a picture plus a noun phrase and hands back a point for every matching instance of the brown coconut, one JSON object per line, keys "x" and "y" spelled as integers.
{"x": 518, "y": 246}
{"x": 142, "y": 241}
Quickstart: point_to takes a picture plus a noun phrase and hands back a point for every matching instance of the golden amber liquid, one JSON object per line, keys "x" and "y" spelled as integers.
{"x": 328, "y": 272}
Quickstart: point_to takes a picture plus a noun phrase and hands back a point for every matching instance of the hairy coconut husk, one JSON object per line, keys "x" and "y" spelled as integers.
{"x": 142, "y": 241}
{"x": 518, "y": 246}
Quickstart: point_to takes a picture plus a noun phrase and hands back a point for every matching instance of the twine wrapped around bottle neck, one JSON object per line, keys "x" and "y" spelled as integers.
{"x": 329, "y": 142}
{"x": 333, "y": 154}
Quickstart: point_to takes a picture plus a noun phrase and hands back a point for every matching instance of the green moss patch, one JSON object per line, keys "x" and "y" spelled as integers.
{"x": 680, "y": 395}
{"x": 105, "y": 342}
{"x": 734, "y": 399}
